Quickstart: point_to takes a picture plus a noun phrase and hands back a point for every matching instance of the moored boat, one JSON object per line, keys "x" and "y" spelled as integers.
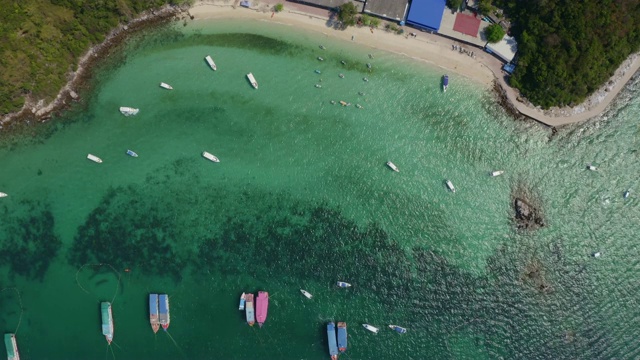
{"x": 331, "y": 337}
{"x": 624, "y": 196}
{"x": 497, "y": 173}
{"x": 128, "y": 111}
{"x": 166, "y": 86}
{"x": 94, "y": 158}
{"x": 373, "y": 329}
{"x": 445, "y": 82}
{"x": 343, "y": 284}
{"x": 211, "y": 63}
{"x": 342, "y": 337}
{"x": 210, "y": 156}
{"x": 242, "y": 301}
{"x": 163, "y": 311}
{"x": 262, "y": 305}
{"x": 251, "y": 317}
{"x": 252, "y": 80}
{"x": 12, "y": 347}
{"x": 306, "y": 294}
{"x": 132, "y": 153}
{"x": 318, "y": 85}
{"x": 320, "y": 58}
{"x": 450, "y": 186}
{"x": 3, "y": 195}
{"x": 591, "y": 167}
{"x": 318, "y": 71}
{"x": 107, "y": 321}
{"x": 398, "y": 329}
{"x": 392, "y": 166}
{"x": 153, "y": 312}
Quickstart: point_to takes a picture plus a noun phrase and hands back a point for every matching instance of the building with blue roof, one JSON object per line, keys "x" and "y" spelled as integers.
{"x": 426, "y": 14}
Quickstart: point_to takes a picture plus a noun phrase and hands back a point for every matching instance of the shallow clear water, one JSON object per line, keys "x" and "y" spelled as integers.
{"x": 302, "y": 198}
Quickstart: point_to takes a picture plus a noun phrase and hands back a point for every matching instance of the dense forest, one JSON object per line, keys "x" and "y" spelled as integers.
{"x": 41, "y": 40}
{"x": 568, "y": 49}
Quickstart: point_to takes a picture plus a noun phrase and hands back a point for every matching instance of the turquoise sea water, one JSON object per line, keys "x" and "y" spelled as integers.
{"x": 302, "y": 198}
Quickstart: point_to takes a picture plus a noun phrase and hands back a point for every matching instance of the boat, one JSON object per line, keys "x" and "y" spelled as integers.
{"x": 252, "y": 80}
{"x": 624, "y": 196}
{"x": 445, "y": 82}
{"x": 210, "y": 156}
{"x": 342, "y": 337}
{"x": 12, "y": 347}
{"x": 359, "y": 106}
{"x": 306, "y": 293}
{"x": 398, "y": 329}
{"x": 392, "y": 166}
{"x": 368, "y": 66}
{"x": 166, "y": 86}
{"x": 153, "y": 312}
{"x": 591, "y": 167}
{"x": 341, "y": 76}
{"x": 333, "y": 102}
{"x": 365, "y": 79}
{"x": 322, "y": 47}
{"x": 242, "y": 300}
{"x": 128, "y": 111}
{"x": 211, "y": 63}
{"x": 373, "y": 329}
{"x": 343, "y": 103}
{"x": 251, "y": 317}
{"x": 3, "y": 195}
{"x": 94, "y": 158}
{"x": 318, "y": 71}
{"x": 331, "y": 337}
{"x": 107, "y": 321}
{"x": 343, "y": 62}
{"x": 163, "y": 307}
{"x": 450, "y": 186}
{"x": 320, "y": 58}
{"x": 343, "y": 284}
{"x": 596, "y": 254}
{"x": 318, "y": 86}
{"x": 132, "y": 153}
{"x": 360, "y": 93}
{"x": 262, "y": 305}
{"x": 497, "y": 173}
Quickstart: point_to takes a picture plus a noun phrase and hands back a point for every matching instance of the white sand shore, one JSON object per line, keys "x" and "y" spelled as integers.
{"x": 434, "y": 49}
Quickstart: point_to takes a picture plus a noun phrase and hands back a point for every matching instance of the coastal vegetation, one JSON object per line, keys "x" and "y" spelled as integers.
{"x": 42, "y": 40}
{"x": 567, "y": 51}
{"x": 278, "y": 7}
{"x": 347, "y": 13}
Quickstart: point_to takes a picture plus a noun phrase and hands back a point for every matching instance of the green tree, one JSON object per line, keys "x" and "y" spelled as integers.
{"x": 454, "y": 4}
{"x": 279, "y": 7}
{"x": 347, "y": 13}
{"x": 375, "y": 22}
{"x": 494, "y": 33}
{"x": 485, "y": 7}
{"x": 366, "y": 20}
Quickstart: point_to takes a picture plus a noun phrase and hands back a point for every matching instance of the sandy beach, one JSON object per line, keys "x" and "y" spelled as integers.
{"x": 482, "y": 68}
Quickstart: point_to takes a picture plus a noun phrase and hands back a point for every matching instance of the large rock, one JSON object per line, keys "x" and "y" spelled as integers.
{"x": 527, "y": 216}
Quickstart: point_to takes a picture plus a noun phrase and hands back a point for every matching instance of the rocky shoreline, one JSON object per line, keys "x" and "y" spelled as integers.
{"x": 38, "y": 110}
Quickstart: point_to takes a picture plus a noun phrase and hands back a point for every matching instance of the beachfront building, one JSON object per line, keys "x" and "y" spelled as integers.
{"x": 331, "y": 4}
{"x": 464, "y": 26}
{"x": 426, "y": 14}
{"x": 505, "y": 49}
{"x": 388, "y": 9}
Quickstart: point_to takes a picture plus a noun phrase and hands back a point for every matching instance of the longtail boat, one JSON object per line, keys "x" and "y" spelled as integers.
{"x": 251, "y": 318}
{"x": 163, "y": 307}
{"x": 331, "y": 337}
{"x": 342, "y": 337}
{"x": 12, "y": 347}
{"x": 107, "y": 321}
{"x": 262, "y": 305}
{"x": 153, "y": 312}
{"x": 242, "y": 300}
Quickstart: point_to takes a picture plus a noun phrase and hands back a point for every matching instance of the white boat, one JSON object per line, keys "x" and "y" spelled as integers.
{"x": 211, "y": 63}
{"x": 591, "y": 167}
{"x": 597, "y": 254}
{"x": 497, "y": 173}
{"x": 392, "y": 166}
{"x": 243, "y": 298}
{"x": 3, "y": 195}
{"x": 320, "y": 58}
{"x": 94, "y": 158}
{"x": 306, "y": 293}
{"x": 166, "y": 86}
{"x": 132, "y": 153}
{"x": 359, "y": 106}
{"x": 343, "y": 284}
{"x": 252, "y": 80}
{"x": 318, "y": 86}
{"x": 450, "y": 186}
{"x": 210, "y": 156}
{"x": 626, "y": 194}
{"x": 373, "y": 329}
{"x": 128, "y": 111}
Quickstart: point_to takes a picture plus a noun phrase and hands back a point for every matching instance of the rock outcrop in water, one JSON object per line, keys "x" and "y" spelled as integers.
{"x": 528, "y": 215}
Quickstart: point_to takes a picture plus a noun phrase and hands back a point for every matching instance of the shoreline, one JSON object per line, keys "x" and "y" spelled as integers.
{"x": 38, "y": 110}
{"x": 483, "y": 68}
